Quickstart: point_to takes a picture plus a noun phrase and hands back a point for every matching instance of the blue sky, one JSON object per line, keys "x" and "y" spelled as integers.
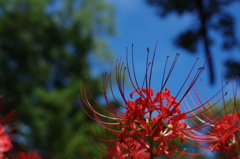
{"x": 138, "y": 23}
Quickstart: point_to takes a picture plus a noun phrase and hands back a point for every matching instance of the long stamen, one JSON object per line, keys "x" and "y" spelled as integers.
{"x": 152, "y": 63}
{"x": 187, "y": 77}
{"x": 164, "y": 71}
{"x": 170, "y": 71}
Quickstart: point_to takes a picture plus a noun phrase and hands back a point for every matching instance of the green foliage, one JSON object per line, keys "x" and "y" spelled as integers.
{"x": 44, "y": 50}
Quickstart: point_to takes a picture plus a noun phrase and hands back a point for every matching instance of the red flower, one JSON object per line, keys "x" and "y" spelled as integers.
{"x": 227, "y": 131}
{"x": 220, "y": 132}
{"x": 153, "y": 119}
{"x": 5, "y": 143}
{"x": 25, "y": 155}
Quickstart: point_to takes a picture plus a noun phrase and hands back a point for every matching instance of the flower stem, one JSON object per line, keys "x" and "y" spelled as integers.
{"x": 151, "y": 139}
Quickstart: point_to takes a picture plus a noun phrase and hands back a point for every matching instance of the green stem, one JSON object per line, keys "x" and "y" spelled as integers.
{"x": 151, "y": 139}
{"x": 151, "y": 147}
{"x": 237, "y": 137}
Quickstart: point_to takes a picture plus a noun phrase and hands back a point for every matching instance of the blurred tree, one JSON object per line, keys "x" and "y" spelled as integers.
{"x": 210, "y": 15}
{"x": 44, "y": 54}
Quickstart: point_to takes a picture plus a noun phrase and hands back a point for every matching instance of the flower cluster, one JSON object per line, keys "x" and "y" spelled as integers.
{"x": 153, "y": 123}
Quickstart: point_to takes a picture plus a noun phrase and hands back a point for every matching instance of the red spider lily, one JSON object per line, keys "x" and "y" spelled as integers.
{"x": 220, "y": 132}
{"x": 27, "y": 155}
{"x": 5, "y": 143}
{"x": 158, "y": 134}
{"x": 6, "y": 147}
{"x": 227, "y": 130}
